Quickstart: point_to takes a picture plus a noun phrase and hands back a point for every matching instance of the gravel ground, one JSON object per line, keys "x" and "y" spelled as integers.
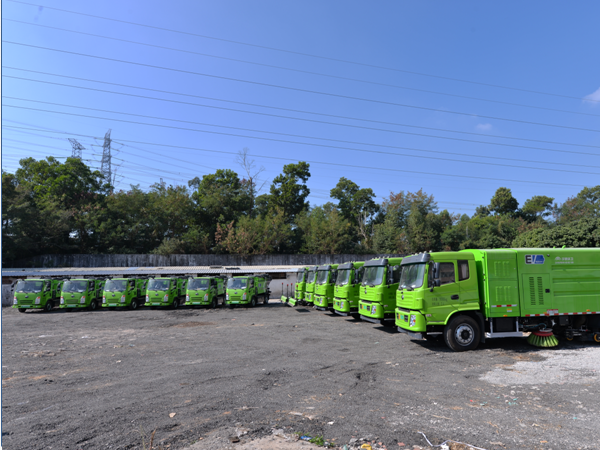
{"x": 204, "y": 378}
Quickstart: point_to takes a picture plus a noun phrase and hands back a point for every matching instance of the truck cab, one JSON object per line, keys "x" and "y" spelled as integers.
{"x": 324, "y": 286}
{"x": 78, "y": 293}
{"x": 205, "y": 291}
{"x": 311, "y": 279}
{"x": 247, "y": 290}
{"x": 165, "y": 291}
{"x": 124, "y": 293}
{"x": 347, "y": 288}
{"x": 300, "y": 288}
{"x": 36, "y": 293}
{"x": 378, "y": 289}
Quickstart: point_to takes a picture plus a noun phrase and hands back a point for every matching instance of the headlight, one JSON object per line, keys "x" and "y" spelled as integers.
{"x": 147, "y": 297}
{"x": 413, "y": 320}
{"x": 187, "y": 298}
{"x": 122, "y": 299}
{"x": 62, "y": 300}
{"x": 38, "y": 300}
{"x": 82, "y": 299}
{"x": 103, "y": 299}
{"x": 244, "y": 296}
{"x": 205, "y": 297}
{"x": 15, "y": 301}
{"x": 166, "y": 299}
{"x": 226, "y": 296}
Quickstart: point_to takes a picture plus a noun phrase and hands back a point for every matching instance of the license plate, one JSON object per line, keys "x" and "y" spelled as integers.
{"x": 234, "y": 302}
{"x": 196, "y": 303}
{"x": 373, "y": 309}
{"x": 112, "y": 304}
{"x": 72, "y": 306}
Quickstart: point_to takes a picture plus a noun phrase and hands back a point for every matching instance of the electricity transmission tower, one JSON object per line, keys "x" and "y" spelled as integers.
{"x": 77, "y": 148}
{"x": 106, "y": 167}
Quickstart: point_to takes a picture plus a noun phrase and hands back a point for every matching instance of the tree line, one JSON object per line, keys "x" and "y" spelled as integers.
{"x": 57, "y": 207}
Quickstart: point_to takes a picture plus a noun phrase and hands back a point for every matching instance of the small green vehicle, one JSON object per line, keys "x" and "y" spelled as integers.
{"x": 78, "y": 293}
{"x": 300, "y": 288}
{"x": 37, "y": 293}
{"x": 326, "y": 277}
{"x": 347, "y": 289}
{"x": 246, "y": 290}
{"x": 378, "y": 289}
{"x": 124, "y": 293}
{"x": 205, "y": 291}
{"x": 165, "y": 291}
{"x": 311, "y": 280}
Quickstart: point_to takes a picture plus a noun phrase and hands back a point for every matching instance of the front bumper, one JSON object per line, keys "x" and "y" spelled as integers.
{"x": 371, "y": 310}
{"x": 28, "y": 306}
{"x": 410, "y": 321}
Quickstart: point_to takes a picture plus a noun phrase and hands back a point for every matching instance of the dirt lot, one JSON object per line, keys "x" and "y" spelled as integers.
{"x": 107, "y": 379}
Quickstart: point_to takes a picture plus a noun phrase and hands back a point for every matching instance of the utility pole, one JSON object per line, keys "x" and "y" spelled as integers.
{"x": 106, "y": 167}
{"x": 77, "y": 148}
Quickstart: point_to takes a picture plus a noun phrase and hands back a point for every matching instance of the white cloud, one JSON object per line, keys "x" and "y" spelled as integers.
{"x": 484, "y": 126}
{"x": 593, "y": 98}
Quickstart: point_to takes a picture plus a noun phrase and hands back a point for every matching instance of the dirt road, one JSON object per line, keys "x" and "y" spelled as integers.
{"x": 104, "y": 379}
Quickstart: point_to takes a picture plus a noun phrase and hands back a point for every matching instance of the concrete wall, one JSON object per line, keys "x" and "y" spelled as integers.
{"x": 182, "y": 260}
{"x": 7, "y": 297}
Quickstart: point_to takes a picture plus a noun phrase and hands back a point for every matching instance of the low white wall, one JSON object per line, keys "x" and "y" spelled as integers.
{"x": 279, "y": 287}
{"x": 7, "y": 297}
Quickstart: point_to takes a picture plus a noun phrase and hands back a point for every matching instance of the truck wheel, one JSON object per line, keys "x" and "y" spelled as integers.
{"x": 92, "y": 306}
{"x": 214, "y": 303}
{"x": 175, "y": 303}
{"x": 253, "y": 302}
{"x": 49, "y": 305}
{"x": 266, "y": 299}
{"x": 134, "y": 304}
{"x": 462, "y": 333}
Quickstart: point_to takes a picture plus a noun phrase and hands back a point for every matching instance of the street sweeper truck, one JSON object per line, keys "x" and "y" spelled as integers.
{"x": 469, "y": 296}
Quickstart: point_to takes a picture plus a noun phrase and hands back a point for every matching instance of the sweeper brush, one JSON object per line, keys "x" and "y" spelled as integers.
{"x": 543, "y": 339}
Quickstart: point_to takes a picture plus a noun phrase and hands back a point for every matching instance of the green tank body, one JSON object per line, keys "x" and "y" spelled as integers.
{"x": 472, "y": 295}
{"x": 36, "y": 293}
{"x": 347, "y": 288}
{"x": 78, "y": 293}
{"x": 165, "y": 291}
{"x": 247, "y": 290}
{"x": 205, "y": 291}
{"x": 324, "y": 286}
{"x": 378, "y": 289}
{"x": 124, "y": 292}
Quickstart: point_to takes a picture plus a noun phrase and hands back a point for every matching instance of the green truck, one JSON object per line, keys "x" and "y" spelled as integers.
{"x": 205, "y": 291}
{"x": 472, "y": 295}
{"x": 378, "y": 290}
{"x": 124, "y": 292}
{"x": 347, "y": 289}
{"x": 165, "y": 291}
{"x": 80, "y": 293}
{"x": 36, "y": 293}
{"x": 324, "y": 287}
{"x": 246, "y": 290}
{"x": 299, "y": 290}
{"x": 309, "y": 289}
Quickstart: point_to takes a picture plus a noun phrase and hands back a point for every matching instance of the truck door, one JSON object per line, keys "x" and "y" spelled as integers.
{"x": 444, "y": 297}
{"x": 91, "y": 290}
{"x": 467, "y": 281}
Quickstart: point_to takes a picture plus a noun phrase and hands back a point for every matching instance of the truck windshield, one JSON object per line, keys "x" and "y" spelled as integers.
{"x": 343, "y": 277}
{"x": 310, "y": 278}
{"x": 300, "y": 277}
{"x": 29, "y": 286}
{"x": 74, "y": 286}
{"x": 412, "y": 276}
{"x": 158, "y": 285}
{"x": 322, "y": 276}
{"x": 196, "y": 284}
{"x": 373, "y": 276}
{"x": 237, "y": 283}
{"x": 115, "y": 285}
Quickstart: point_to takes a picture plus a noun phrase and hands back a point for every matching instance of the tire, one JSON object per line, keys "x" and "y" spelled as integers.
{"x": 134, "y": 304}
{"x": 214, "y": 303}
{"x": 175, "y": 303}
{"x": 265, "y": 299}
{"x": 462, "y": 333}
{"x": 253, "y": 302}
{"x": 22, "y": 310}
{"x": 93, "y": 305}
{"x": 49, "y": 305}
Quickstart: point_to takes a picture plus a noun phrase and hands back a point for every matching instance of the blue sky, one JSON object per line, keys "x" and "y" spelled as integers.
{"x": 391, "y": 95}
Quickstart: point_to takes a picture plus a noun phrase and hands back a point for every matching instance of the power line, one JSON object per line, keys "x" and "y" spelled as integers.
{"x": 385, "y": 169}
{"x": 77, "y": 148}
{"x": 281, "y": 140}
{"x": 348, "y": 97}
{"x": 305, "y": 71}
{"x": 276, "y": 108}
{"x": 301, "y": 118}
{"x": 301, "y": 53}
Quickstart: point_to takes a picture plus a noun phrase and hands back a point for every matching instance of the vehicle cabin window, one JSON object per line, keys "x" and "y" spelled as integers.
{"x": 395, "y": 274}
{"x": 91, "y": 285}
{"x": 251, "y": 283}
{"x": 131, "y": 283}
{"x": 447, "y": 273}
{"x": 358, "y": 274}
{"x": 463, "y": 270}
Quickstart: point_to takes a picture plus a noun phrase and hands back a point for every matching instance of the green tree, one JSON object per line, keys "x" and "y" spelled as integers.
{"x": 325, "y": 230}
{"x": 578, "y": 233}
{"x": 538, "y": 207}
{"x": 586, "y": 204}
{"x": 503, "y": 202}
{"x": 288, "y": 192}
